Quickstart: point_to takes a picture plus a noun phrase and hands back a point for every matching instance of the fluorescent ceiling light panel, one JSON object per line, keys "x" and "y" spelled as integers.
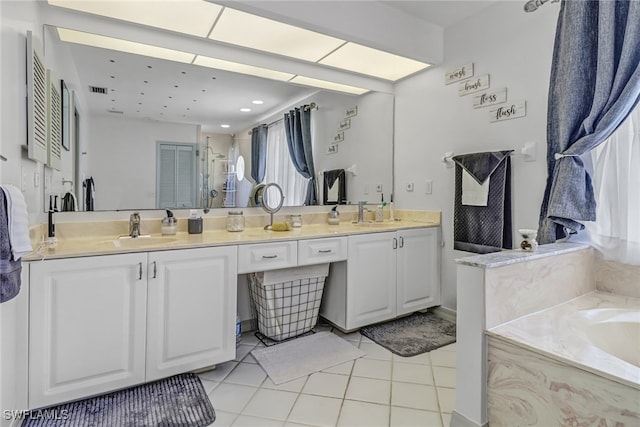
{"x": 95, "y": 40}
{"x": 373, "y": 62}
{"x": 255, "y": 32}
{"x": 323, "y": 84}
{"x": 236, "y": 67}
{"x": 193, "y": 17}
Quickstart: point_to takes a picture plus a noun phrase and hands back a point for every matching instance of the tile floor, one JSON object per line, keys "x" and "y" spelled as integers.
{"x": 380, "y": 389}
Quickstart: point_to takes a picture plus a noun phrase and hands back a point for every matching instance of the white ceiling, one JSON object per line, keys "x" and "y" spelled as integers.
{"x": 443, "y": 13}
{"x": 228, "y": 92}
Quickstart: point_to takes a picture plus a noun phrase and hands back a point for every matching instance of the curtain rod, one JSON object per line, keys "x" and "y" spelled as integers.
{"x": 311, "y": 106}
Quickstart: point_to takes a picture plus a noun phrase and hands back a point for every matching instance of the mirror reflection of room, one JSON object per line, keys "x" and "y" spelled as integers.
{"x": 186, "y": 106}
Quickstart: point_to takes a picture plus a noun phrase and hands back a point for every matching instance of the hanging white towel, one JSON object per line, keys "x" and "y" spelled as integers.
{"x": 18, "y": 221}
{"x": 474, "y": 194}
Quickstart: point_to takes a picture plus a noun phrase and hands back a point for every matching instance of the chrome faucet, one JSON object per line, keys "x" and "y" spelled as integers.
{"x": 134, "y": 225}
{"x": 361, "y": 211}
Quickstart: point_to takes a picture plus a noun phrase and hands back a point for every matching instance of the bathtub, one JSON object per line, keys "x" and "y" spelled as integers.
{"x": 574, "y": 364}
{"x": 597, "y": 332}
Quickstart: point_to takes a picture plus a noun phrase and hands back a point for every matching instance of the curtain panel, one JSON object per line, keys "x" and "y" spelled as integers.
{"x": 259, "y": 152}
{"x": 594, "y": 85}
{"x": 297, "y": 125}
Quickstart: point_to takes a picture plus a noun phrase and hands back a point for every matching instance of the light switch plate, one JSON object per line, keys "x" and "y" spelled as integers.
{"x": 428, "y": 187}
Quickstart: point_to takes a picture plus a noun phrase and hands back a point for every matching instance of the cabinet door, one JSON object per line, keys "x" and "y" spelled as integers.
{"x": 418, "y": 280}
{"x": 192, "y": 309}
{"x": 371, "y": 279}
{"x": 87, "y": 326}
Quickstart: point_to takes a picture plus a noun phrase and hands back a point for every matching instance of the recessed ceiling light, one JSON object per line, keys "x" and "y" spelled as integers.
{"x": 272, "y": 36}
{"x": 95, "y": 40}
{"x": 225, "y": 126}
{"x": 236, "y": 67}
{"x": 245, "y": 110}
{"x": 196, "y": 19}
{"x": 308, "y": 81}
{"x": 257, "y": 102}
{"x": 358, "y": 58}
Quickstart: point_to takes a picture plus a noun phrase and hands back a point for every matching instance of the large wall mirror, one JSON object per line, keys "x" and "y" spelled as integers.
{"x": 162, "y": 134}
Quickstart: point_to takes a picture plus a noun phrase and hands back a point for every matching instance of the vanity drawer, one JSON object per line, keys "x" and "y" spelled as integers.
{"x": 316, "y": 251}
{"x": 267, "y": 256}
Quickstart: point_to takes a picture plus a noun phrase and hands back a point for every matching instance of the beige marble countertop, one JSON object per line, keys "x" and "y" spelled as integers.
{"x": 104, "y": 244}
{"x": 579, "y": 331}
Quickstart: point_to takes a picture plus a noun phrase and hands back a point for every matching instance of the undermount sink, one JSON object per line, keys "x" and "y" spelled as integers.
{"x": 370, "y": 224}
{"x": 144, "y": 240}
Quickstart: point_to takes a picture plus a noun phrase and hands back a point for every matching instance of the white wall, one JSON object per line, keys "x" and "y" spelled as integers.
{"x": 515, "y": 48}
{"x": 128, "y": 181}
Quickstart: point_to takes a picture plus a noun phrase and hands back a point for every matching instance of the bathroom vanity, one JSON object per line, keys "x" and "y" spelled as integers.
{"x": 104, "y": 315}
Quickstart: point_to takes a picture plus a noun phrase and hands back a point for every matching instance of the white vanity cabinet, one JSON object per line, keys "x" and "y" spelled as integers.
{"x": 192, "y": 294}
{"x": 106, "y": 322}
{"x": 386, "y": 275}
{"x": 87, "y": 322}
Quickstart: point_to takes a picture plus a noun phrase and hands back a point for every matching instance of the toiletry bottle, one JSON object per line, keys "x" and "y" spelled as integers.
{"x": 380, "y": 210}
{"x": 238, "y": 330}
{"x": 391, "y": 217}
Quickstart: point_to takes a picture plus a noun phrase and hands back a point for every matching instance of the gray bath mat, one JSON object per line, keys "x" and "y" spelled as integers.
{"x": 412, "y": 335}
{"x": 304, "y": 356}
{"x": 178, "y": 401}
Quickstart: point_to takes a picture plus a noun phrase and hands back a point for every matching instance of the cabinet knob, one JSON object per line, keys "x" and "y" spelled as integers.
{"x": 325, "y": 251}
{"x": 139, "y": 271}
{"x": 401, "y": 242}
{"x": 395, "y": 243}
{"x": 269, "y": 256}
{"x": 155, "y": 269}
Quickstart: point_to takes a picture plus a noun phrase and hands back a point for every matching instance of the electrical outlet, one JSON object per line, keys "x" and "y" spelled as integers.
{"x": 379, "y": 188}
{"x": 410, "y": 186}
{"x": 365, "y": 190}
{"x": 428, "y": 188}
{"x": 36, "y": 179}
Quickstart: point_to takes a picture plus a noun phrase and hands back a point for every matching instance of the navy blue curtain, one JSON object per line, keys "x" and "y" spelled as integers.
{"x": 297, "y": 125}
{"x": 259, "y": 152}
{"x": 595, "y": 84}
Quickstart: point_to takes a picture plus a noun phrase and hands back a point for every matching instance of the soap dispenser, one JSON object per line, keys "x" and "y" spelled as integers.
{"x": 169, "y": 224}
{"x": 333, "y": 217}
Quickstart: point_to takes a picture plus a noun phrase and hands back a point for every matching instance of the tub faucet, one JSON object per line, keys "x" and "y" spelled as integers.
{"x": 134, "y": 225}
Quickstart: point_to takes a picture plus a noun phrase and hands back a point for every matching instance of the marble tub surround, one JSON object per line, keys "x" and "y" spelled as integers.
{"x": 617, "y": 278}
{"x": 101, "y": 238}
{"x": 527, "y": 388}
{"x": 515, "y": 290}
{"x": 570, "y": 334}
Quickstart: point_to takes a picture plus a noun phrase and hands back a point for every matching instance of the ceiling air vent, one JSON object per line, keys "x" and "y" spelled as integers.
{"x": 96, "y": 89}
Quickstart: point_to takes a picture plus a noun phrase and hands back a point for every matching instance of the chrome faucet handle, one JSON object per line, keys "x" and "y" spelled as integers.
{"x": 134, "y": 224}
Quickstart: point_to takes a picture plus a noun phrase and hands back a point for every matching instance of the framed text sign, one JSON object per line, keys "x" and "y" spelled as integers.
{"x": 510, "y": 110}
{"x": 491, "y": 97}
{"x": 473, "y": 85}
{"x": 457, "y": 74}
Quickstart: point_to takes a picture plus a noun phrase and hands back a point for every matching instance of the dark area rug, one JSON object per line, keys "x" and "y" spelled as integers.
{"x": 179, "y": 401}
{"x": 412, "y": 335}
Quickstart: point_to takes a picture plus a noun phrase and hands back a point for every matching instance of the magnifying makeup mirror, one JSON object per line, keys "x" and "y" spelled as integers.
{"x": 272, "y": 200}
